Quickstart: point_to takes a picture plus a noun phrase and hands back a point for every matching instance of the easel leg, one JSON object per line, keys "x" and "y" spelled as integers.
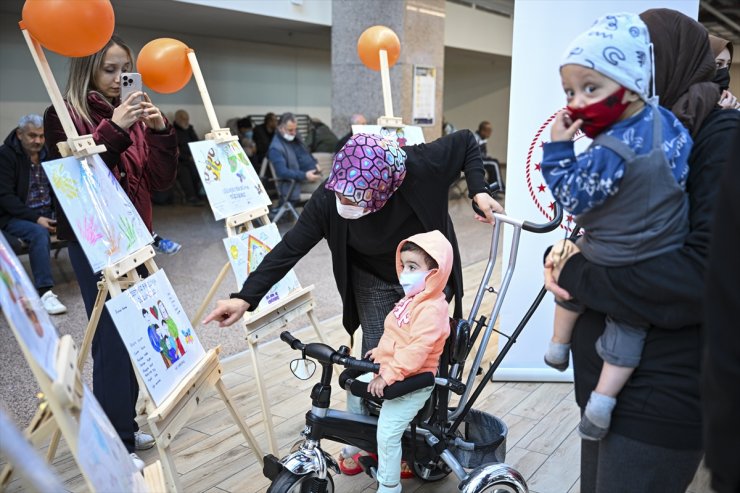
{"x": 172, "y": 479}
{"x": 264, "y": 402}
{"x": 240, "y": 421}
{"x": 316, "y": 327}
{"x": 195, "y": 321}
{"x": 36, "y": 432}
{"x": 92, "y": 326}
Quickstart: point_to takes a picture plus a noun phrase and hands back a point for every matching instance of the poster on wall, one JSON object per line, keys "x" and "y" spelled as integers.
{"x": 537, "y": 94}
{"x": 425, "y": 89}
{"x": 229, "y": 179}
{"x": 22, "y": 308}
{"x": 104, "y": 220}
{"x": 157, "y": 333}
{"x": 246, "y": 252}
{"x": 407, "y": 135}
{"x": 103, "y": 459}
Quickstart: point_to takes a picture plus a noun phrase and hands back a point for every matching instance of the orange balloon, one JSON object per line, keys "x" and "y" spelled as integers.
{"x": 70, "y": 28}
{"x": 374, "y": 39}
{"x": 164, "y": 66}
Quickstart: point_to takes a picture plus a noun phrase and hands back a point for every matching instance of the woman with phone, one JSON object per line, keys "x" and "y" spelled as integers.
{"x": 141, "y": 152}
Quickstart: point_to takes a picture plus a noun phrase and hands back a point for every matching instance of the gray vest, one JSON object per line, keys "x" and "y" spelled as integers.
{"x": 646, "y": 217}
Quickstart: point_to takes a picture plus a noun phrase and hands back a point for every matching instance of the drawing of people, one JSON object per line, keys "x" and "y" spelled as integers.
{"x": 153, "y": 332}
{"x": 401, "y": 137}
{"x": 171, "y": 327}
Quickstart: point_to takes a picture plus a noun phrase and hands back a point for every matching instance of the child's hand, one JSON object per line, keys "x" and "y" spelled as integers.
{"x": 563, "y": 128}
{"x": 376, "y": 386}
{"x": 369, "y": 355}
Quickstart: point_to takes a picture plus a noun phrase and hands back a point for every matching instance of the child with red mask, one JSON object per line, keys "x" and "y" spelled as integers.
{"x": 627, "y": 188}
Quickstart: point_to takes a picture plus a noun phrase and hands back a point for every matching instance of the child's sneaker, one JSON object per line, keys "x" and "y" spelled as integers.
{"x": 51, "y": 303}
{"x": 167, "y": 247}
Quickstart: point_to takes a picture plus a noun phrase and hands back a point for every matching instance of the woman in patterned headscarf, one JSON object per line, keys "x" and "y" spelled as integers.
{"x": 655, "y": 439}
{"x": 376, "y": 195}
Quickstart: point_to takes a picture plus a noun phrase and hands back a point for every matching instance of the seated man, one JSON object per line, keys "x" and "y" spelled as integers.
{"x": 291, "y": 160}
{"x": 25, "y": 202}
{"x": 245, "y": 130}
{"x": 482, "y": 135}
{"x": 263, "y": 135}
{"x": 187, "y": 173}
{"x": 320, "y": 137}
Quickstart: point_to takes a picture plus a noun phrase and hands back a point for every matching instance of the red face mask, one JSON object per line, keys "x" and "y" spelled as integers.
{"x": 600, "y": 115}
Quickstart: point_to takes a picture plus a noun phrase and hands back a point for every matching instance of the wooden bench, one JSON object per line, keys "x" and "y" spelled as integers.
{"x": 21, "y": 248}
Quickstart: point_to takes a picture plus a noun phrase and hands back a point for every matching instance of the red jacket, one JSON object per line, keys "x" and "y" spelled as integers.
{"x": 141, "y": 159}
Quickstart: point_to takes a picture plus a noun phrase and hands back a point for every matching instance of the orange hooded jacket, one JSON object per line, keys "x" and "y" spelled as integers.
{"x": 416, "y": 329}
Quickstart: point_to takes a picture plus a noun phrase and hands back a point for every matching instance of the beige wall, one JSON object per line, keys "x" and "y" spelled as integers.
{"x": 242, "y": 77}
{"x": 476, "y": 89}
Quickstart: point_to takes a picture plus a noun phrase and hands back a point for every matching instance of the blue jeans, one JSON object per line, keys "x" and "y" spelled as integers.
{"x": 39, "y": 249}
{"x": 395, "y": 416}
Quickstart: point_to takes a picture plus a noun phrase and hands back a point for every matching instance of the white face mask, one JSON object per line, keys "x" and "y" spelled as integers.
{"x": 288, "y": 137}
{"x": 350, "y": 211}
{"x": 413, "y": 282}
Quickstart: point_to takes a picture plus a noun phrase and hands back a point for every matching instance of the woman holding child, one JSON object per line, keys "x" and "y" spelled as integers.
{"x": 654, "y": 441}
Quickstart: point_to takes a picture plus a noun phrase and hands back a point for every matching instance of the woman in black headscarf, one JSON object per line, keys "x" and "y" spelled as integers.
{"x": 655, "y": 439}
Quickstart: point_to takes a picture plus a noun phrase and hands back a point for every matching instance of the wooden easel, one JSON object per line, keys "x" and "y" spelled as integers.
{"x": 61, "y": 409}
{"x": 256, "y": 325}
{"x": 387, "y": 120}
{"x": 167, "y": 419}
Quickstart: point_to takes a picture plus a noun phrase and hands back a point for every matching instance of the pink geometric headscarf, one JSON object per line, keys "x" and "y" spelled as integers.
{"x": 368, "y": 170}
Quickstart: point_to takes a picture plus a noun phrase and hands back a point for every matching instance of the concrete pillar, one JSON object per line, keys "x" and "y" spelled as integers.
{"x": 419, "y": 24}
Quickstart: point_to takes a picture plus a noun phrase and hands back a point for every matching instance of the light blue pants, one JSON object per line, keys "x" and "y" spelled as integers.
{"x": 395, "y": 416}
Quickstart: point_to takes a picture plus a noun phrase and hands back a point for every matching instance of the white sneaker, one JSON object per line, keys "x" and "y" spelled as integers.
{"x": 143, "y": 441}
{"x": 138, "y": 463}
{"x": 52, "y": 304}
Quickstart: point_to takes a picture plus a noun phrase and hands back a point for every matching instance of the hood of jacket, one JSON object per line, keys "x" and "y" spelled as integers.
{"x": 440, "y": 249}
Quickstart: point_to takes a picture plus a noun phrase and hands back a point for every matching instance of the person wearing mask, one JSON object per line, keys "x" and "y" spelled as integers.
{"x": 656, "y": 426}
{"x": 263, "y": 135}
{"x": 722, "y": 51}
{"x": 26, "y": 210}
{"x": 141, "y": 152}
{"x": 363, "y": 223}
{"x": 292, "y": 161}
{"x": 356, "y": 119}
{"x": 245, "y": 130}
{"x": 187, "y": 173}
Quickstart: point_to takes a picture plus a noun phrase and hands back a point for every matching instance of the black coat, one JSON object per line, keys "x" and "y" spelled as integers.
{"x": 660, "y": 405}
{"x": 431, "y": 169}
{"x": 15, "y": 169}
{"x": 721, "y": 393}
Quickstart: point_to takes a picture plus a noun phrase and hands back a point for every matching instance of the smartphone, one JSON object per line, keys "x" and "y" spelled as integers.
{"x": 130, "y": 82}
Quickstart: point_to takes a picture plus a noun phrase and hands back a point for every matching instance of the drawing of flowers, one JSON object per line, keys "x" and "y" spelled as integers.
{"x": 112, "y": 242}
{"x": 127, "y": 228}
{"x": 64, "y": 183}
{"x": 89, "y": 229}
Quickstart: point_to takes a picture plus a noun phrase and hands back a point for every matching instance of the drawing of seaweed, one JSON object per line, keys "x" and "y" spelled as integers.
{"x": 112, "y": 243}
{"x": 89, "y": 229}
{"x": 128, "y": 230}
{"x": 64, "y": 183}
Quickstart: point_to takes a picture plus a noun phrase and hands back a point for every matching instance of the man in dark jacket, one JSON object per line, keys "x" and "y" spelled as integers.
{"x": 187, "y": 173}
{"x": 25, "y": 202}
{"x": 263, "y": 134}
{"x": 292, "y": 161}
